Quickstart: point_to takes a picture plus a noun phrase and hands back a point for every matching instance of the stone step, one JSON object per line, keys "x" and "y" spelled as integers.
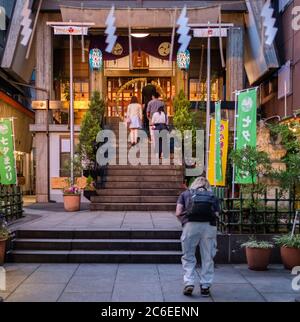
{"x": 142, "y": 178}
{"x": 143, "y": 185}
{"x": 139, "y": 192}
{"x": 133, "y": 206}
{"x": 98, "y": 234}
{"x": 134, "y": 199}
{"x": 77, "y": 256}
{"x": 143, "y": 172}
{"x": 145, "y": 167}
{"x": 97, "y": 244}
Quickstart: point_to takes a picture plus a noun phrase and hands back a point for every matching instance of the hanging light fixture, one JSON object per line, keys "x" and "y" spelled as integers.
{"x": 95, "y": 59}
{"x": 139, "y": 35}
{"x": 183, "y": 59}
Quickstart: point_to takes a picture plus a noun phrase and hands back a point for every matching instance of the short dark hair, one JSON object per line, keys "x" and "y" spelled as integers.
{"x": 161, "y": 109}
{"x": 156, "y": 95}
{"x": 134, "y": 100}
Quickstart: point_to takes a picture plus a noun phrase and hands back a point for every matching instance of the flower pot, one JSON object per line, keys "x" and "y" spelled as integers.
{"x": 258, "y": 259}
{"x": 290, "y": 257}
{"x": 2, "y": 250}
{"x": 72, "y": 202}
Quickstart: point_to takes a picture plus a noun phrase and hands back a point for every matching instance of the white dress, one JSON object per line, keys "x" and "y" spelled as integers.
{"x": 134, "y": 114}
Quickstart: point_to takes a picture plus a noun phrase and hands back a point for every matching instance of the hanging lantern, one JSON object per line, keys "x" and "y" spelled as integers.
{"x": 96, "y": 59}
{"x": 183, "y": 59}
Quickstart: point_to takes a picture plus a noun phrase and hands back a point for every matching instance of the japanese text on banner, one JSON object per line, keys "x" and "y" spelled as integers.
{"x": 8, "y": 173}
{"x": 246, "y": 127}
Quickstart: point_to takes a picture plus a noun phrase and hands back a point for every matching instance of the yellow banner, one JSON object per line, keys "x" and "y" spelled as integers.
{"x": 224, "y": 152}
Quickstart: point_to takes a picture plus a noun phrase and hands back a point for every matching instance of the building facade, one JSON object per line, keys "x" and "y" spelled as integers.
{"x": 15, "y": 103}
{"x": 124, "y": 75}
{"x": 280, "y": 91}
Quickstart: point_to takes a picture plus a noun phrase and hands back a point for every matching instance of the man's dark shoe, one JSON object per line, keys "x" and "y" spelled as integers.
{"x": 205, "y": 292}
{"x": 188, "y": 290}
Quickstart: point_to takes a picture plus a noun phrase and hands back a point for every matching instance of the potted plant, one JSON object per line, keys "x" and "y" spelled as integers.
{"x": 289, "y": 250}
{"x": 72, "y": 196}
{"x": 89, "y": 189}
{"x": 4, "y": 235}
{"x": 258, "y": 254}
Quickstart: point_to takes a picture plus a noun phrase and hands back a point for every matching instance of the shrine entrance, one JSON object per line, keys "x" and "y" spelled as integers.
{"x": 121, "y": 89}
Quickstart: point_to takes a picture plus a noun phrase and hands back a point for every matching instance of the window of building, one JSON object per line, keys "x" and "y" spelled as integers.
{"x": 198, "y": 92}
{"x": 64, "y": 159}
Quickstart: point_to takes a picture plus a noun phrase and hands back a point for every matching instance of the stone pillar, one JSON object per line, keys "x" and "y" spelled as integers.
{"x": 235, "y": 72}
{"x": 44, "y": 79}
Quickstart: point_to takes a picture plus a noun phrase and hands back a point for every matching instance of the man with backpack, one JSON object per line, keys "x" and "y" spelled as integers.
{"x": 198, "y": 209}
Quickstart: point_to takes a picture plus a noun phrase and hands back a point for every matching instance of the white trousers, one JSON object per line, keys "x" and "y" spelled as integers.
{"x": 204, "y": 235}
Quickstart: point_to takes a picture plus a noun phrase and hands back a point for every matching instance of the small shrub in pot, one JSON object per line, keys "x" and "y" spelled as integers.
{"x": 258, "y": 254}
{"x": 289, "y": 250}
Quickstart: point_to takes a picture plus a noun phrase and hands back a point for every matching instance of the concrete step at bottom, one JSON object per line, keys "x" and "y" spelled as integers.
{"x": 97, "y": 244}
{"x": 75, "y": 256}
{"x": 133, "y": 206}
{"x": 98, "y": 234}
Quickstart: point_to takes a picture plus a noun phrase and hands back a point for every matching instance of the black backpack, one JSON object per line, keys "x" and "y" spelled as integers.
{"x": 200, "y": 206}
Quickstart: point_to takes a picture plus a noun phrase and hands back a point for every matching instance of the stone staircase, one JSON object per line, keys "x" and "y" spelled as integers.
{"x": 101, "y": 246}
{"x": 140, "y": 187}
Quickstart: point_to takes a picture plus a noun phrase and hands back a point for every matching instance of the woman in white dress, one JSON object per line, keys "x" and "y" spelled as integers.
{"x": 134, "y": 119}
{"x": 160, "y": 123}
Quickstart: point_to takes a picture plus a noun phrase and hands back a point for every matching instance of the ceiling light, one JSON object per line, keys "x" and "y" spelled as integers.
{"x": 139, "y": 35}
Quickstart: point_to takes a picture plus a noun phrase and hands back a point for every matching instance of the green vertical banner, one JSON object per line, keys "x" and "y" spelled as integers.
{"x": 246, "y": 127}
{"x": 218, "y": 156}
{"x": 8, "y": 174}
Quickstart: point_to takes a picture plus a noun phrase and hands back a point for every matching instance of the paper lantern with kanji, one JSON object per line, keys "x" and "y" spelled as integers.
{"x": 96, "y": 59}
{"x": 183, "y": 59}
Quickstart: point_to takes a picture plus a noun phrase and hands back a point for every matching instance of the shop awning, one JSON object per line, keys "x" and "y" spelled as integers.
{"x": 140, "y": 17}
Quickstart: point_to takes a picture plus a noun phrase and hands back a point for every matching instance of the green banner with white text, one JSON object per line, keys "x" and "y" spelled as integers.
{"x": 218, "y": 157}
{"x": 8, "y": 174}
{"x": 246, "y": 127}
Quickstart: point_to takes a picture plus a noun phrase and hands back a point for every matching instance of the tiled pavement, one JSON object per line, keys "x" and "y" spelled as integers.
{"x": 140, "y": 283}
{"x": 53, "y": 217}
{"x": 129, "y": 282}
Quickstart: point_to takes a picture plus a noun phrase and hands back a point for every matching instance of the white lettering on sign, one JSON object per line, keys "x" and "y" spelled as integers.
{"x": 70, "y": 30}
{"x": 210, "y": 32}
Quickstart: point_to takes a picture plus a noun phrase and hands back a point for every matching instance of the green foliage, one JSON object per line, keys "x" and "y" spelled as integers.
{"x": 256, "y": 163}
{"x": 66, "y": 92}
{"x": 4, "y": 231}
{"x": 253, "y": 243}
{"x": 90, "y": 127}
{"x": 183, "y": 117}
{"x": 4, "y": 234}
{"x": 290, "y": 241}
{"x": 249, "y": 159}
{"x": 89, "y": 184}
{"x": 289, "y": 136}
{"x": 77, "y": 166}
